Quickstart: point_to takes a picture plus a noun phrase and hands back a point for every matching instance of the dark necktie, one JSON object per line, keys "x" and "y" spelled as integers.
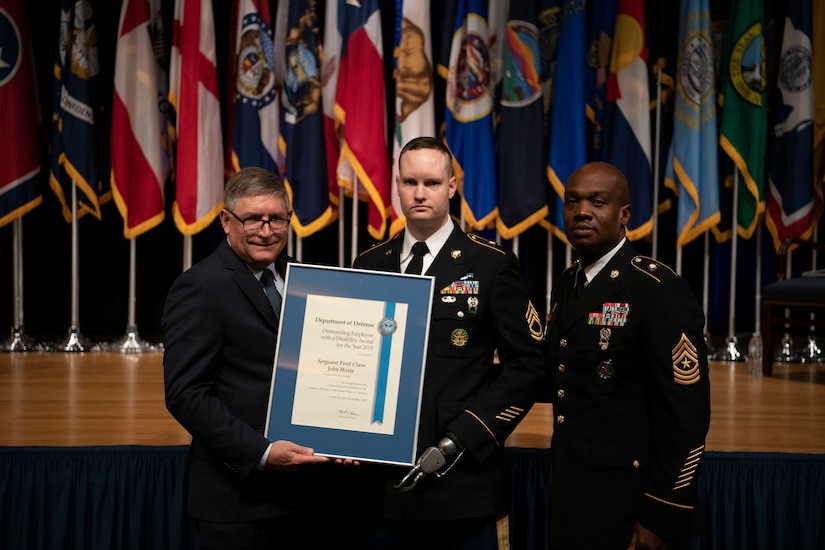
{"x": 417, "y": 262}
{"x": 578, "y": 286}
{"x": 268, "y": 280}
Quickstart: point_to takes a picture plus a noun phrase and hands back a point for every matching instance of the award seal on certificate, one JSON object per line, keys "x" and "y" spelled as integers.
{"x": 387, "y": 326}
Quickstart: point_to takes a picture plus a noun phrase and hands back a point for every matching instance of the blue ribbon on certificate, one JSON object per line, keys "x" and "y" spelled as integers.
{"x": 387, "y": 329}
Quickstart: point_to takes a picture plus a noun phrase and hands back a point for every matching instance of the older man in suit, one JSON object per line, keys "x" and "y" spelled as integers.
{"x": 220, "y": 330}
{"x": 470, "y": 402}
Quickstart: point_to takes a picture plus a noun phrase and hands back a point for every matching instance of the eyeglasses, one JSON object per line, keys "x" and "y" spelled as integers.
{"x": 253, "y": 225}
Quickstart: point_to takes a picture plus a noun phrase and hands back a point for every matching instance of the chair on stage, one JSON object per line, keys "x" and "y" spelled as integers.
{"x": 790, "y": 303}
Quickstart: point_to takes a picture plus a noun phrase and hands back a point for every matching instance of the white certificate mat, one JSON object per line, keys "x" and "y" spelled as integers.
{"x": 349, "y": 363}
{"x": 348, "y": 378}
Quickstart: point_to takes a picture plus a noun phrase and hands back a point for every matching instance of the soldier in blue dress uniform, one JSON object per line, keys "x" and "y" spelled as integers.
{"x": 628, "y": 378}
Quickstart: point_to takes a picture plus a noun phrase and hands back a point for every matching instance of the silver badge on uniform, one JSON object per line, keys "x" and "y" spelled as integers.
{"x": 472, "y": 304}
{"x": 605, "y": 369}
{"x": 604, "y": 338}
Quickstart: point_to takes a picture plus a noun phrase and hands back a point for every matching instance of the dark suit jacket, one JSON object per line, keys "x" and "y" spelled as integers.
{"x": 219, "y": 348}
{"x": 464, "y": 391}
{"x": 631, "y": 406}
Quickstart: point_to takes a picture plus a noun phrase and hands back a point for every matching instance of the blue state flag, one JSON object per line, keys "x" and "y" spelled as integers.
{"x": 568, "y": 129}
{"x": 302, "y": 121}
{"x": 77, "y": 143}
{"x": 254, "y": 113}
{"x": 520, "y": 132}
{"x": 600, "y": 33}
{"x": 692, "y": 166}
{"x": 790, "y": 193}
{"x": 469, "y": 114}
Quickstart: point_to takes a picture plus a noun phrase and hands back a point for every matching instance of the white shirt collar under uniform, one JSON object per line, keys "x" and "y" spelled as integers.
{"x": 595, "y": 268}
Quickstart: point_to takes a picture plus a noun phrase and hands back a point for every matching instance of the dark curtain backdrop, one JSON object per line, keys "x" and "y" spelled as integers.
{"x": 132, "y": 497}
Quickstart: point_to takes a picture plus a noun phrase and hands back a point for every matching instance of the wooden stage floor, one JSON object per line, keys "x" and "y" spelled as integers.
{"x": 102, "y": 398}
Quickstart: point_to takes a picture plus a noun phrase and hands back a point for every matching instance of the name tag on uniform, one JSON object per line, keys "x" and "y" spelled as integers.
{"x": 613, "y": 314}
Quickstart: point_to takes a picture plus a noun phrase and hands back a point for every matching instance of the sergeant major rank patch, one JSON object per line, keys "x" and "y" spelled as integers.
{"x": 685, "y": 362}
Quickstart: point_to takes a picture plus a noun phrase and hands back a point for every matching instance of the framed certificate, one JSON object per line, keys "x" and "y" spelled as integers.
{"x": 349, "y": 364}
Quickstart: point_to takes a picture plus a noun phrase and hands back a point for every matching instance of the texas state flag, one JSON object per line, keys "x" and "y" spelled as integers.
{"x": 360, "y": 109}
{"x": 19, "y": 184}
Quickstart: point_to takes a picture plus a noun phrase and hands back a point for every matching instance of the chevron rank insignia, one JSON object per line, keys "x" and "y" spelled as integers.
{"x": 685, "y": 362}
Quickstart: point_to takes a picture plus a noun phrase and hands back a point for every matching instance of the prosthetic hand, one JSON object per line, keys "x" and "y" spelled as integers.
{"x": 431, "y": 461}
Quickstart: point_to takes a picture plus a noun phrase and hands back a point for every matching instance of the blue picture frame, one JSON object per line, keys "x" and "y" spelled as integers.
{"x": 307, "y": 286}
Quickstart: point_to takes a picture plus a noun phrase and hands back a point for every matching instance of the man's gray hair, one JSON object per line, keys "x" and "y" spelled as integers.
{"x": 253, "y": 182}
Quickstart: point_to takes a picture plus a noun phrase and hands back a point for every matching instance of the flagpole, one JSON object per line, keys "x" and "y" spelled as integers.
{"x": 549, "y": 273}
{"x": 131, "y": 342}
{"x": 758, "y": 299}
{"x": 755, "y": 345}
{"x": 706, "y": 291}
{"x": 75, "y": 341}
{"x": 19, "y": 341}
{"x": 187, "y": 252}
{"x": 731, "y": 353}
{"x": 812, "y": 353}
{"x": 342, "y": 227}
{"x": 785, "y": 353}
{"x": 678, "y": 260}
{"x": 354, "y": 225}
{"x": 299, "y": 248}
{"x": 656, "y": 145}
